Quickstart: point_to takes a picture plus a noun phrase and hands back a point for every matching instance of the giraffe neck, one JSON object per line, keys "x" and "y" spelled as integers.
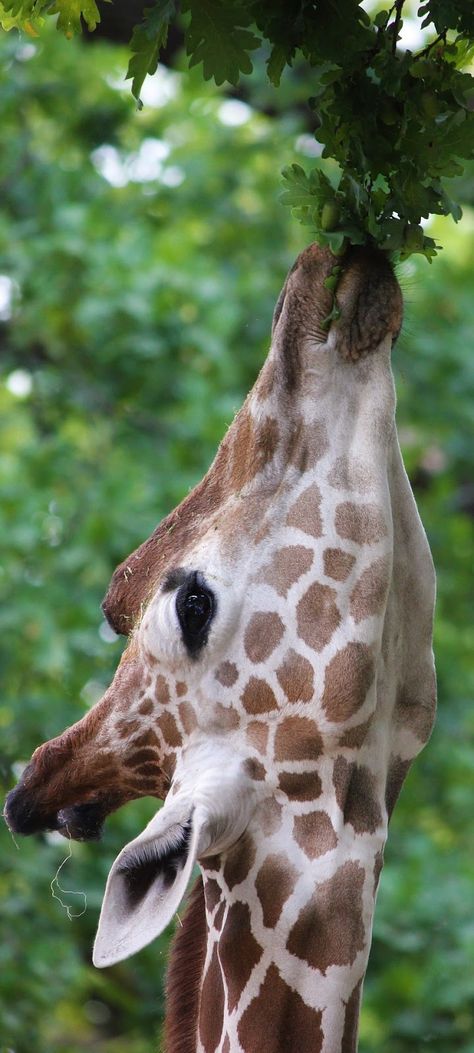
{"x": 287, "y": 936}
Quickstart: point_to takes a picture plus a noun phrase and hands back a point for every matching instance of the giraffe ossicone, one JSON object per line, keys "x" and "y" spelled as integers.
{"x": 277, "y": 684}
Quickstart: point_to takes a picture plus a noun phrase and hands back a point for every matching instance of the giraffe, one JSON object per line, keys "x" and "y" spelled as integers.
{"x": 277, "y": 684}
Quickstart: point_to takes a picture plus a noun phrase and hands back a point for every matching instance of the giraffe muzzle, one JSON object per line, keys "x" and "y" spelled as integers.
{"x": 22, "y": 817}
{"x": 81, "y": 822}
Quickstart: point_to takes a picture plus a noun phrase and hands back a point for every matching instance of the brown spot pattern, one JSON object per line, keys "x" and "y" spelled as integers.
{"x": 351, "y": 1021}
{"x": 266, "y": 380}
{"x": 356, "y": 796}
{"x": 378, "y": 866}
{"x": 257, "y": 735}
{"x": 169, "y": 729}
{"x": 348, "y": 677}
{"x": 314, "y": 833}
{"x": 162, "y": 691}
{"x": 397, "y": 773}
{"x": 226, "y": 718}
{"x": 317, "y": 616}
{"x": 219, "y": 916}
{"x": 370, "y": 590}
{"x": 126, "y": 727}
{"x": 239, "y": 951}
{"x": 258, "y": 697}
{"x": 278, "y": 1015}
{"x": 295, "y": 676}
{"x": 181, "y": 688}
{"x": 305, "y": 513}
{"x": 128, "y": 680}
{"x": 335, "y": 914}
{"x": 227, "y": 674}
{"x": 212, "y": 893}
{"x": 239, "y": 861}
{"x": 147, "y": 738}
{"x": 274, "y": 883}
{"x": 270, "y": 816}
{"x": 337, "y": 563}
{"x": 187, "y": 716}
{"x": 212, "y": 1006}
{"x": 297, "y": 738}
{"x": 253, "y": 447}
{"x": 286, "y": 567}
{"x": 350, "y": 474}
{"x": 146, "y": 707}
{"x": 141, "y": 757}
{"x": 354, "y": 738}
{"x": 255, "y": 769}
{"x": 263, "y": 633}
{"x": 267, "y": 439}
{"x": 241, "y": 439}
{"x": 309, "y": 444}
{"x": 150, "y": 770}
{"x": 300, "y": 786}
{"x": 416, "y": 715}
{"x": 364, "y": 524}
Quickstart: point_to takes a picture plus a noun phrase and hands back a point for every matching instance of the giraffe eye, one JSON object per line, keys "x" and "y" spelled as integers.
{"x": 195, "y": 607}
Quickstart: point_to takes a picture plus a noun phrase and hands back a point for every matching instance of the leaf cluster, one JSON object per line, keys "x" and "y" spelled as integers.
{"x": 397, "y": 124}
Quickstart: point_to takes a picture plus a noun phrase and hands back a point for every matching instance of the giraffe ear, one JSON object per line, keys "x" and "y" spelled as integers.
{"x": 146, "y": 884}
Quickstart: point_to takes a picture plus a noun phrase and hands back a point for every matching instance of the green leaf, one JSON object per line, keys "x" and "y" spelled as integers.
{"x": 333, "y": 316}
{"x": 28, "y": 15}
{"x": 217, "y": 36}
{"x": 449, "y": 14}
{"x": 147, "y": 41}
{"x": 276, "y": 64}
{"x": 70, "y": 13}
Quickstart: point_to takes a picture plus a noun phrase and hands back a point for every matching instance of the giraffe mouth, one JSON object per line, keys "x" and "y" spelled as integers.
{"x": 82, "y": 822}
{"x": 79, "y": 822}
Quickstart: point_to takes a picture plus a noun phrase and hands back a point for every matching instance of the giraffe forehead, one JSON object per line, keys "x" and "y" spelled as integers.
{"x": 258, "y": 464}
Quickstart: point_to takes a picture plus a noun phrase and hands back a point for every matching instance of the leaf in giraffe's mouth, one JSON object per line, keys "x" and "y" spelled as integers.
{"x": 152, "y": 860}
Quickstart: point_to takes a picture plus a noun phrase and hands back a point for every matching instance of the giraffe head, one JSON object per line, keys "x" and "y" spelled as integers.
{"x": 278, "y": 678}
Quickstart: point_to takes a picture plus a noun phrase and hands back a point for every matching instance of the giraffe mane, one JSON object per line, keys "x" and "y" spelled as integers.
{"x": 184, "y": 976}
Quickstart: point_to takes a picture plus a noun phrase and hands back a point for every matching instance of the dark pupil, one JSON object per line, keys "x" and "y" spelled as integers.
{"x": 197, "y": 609}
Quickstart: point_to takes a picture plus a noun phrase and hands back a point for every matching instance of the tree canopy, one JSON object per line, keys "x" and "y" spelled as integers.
{"x": 396, "y": 124}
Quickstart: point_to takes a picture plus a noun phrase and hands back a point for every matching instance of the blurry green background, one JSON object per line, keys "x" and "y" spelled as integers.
{"x": 140, "y": 258}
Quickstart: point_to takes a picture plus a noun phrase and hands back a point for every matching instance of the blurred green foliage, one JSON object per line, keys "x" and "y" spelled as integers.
{"x": 140, "y": 259}
{"x": 395, "y": 121}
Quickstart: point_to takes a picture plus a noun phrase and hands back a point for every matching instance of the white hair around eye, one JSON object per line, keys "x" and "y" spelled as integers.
{"x": 191, "y": 618}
